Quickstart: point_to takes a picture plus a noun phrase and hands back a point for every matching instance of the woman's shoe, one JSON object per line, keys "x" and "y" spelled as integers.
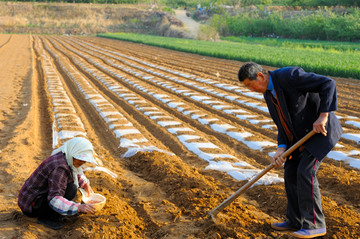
{"x": 55, "y": 225}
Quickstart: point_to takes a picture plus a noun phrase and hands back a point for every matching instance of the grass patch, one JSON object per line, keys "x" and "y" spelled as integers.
{"x": 321, "y": 60}
{"x": 279, "y": 42}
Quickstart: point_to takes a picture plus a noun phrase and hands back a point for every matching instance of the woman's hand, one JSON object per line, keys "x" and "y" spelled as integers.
{"x": 88, "y": 189}
{"x": 86, "y": 208}
{"x": 277, "y": 160}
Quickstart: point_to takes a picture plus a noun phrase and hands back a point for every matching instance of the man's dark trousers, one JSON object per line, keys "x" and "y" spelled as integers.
{"x": 302, "y": 188}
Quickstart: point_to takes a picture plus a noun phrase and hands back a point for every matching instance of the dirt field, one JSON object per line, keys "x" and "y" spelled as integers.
{"x": 61, "y": 18}
{"x": 177, "y": 129}
{"x": 190, "y": 24}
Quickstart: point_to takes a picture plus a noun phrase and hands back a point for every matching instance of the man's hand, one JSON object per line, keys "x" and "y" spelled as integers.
{"x": 277, "y": 160}
{"x": 320, "y": 123}
{"x": 86, "y": 208}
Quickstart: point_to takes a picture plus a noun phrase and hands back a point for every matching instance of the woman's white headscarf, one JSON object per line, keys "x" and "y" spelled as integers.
{"x": 79, "y": 148}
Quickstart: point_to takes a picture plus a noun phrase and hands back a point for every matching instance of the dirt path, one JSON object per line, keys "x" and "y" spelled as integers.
{"x": 181, "y": 138}
{"x": 190, "y": 25}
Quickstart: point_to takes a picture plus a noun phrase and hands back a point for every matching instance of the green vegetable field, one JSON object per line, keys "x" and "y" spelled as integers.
{"x": 328, "y": 58}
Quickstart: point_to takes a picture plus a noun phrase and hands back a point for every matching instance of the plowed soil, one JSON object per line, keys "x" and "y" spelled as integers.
{"x": 177, "y": 129}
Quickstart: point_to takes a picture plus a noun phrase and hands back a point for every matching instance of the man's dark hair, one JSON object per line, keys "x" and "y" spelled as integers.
{"x": 249, "y": 71}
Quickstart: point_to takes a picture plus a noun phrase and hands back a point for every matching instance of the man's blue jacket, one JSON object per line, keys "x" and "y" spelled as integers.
{"x": 302, "y": 97}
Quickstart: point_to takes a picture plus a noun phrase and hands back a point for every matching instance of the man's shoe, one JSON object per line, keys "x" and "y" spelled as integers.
{"x": 50, "y": 224}
{"x": 283, "y": 226}
{"x": 309, "y": 233}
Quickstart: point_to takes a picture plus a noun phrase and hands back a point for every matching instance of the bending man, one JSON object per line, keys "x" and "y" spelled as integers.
{"x": 299, "y": 102}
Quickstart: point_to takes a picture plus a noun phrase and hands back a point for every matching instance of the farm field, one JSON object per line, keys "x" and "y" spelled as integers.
{"x": 176, "y": 135}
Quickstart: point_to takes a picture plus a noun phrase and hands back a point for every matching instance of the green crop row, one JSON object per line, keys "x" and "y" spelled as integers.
{"x": 318, "y": 60}
{"x": 281, "y": 42}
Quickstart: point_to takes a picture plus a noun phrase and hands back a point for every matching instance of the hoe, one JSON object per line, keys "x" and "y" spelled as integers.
{"x": 225, "y": 203}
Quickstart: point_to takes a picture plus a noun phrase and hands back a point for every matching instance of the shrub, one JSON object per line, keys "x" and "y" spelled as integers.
{"x": 317, "y": 25}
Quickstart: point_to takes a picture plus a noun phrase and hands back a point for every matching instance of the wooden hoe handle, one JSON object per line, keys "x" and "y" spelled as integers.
{"x": 225, "y": 203}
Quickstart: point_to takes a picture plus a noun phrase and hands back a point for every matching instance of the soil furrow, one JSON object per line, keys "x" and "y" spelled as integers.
{"x": 137, "y": 220}
{"x": 179, "y": 193}
{"x": 182, "y": 61}
{"x": 5, "y": 41}
{"x": 138, "y": 104}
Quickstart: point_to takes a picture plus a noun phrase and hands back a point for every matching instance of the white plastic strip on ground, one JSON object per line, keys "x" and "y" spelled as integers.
{"x": 353, "y": 137}
{"x": 251, "y": 104}
{"x": 64, "y": 111}
{"x": 101, "y": 169}
{"x": 353, "y": 123}
{"x": 137, "y": 142}
{"x": 346, "y": 157}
